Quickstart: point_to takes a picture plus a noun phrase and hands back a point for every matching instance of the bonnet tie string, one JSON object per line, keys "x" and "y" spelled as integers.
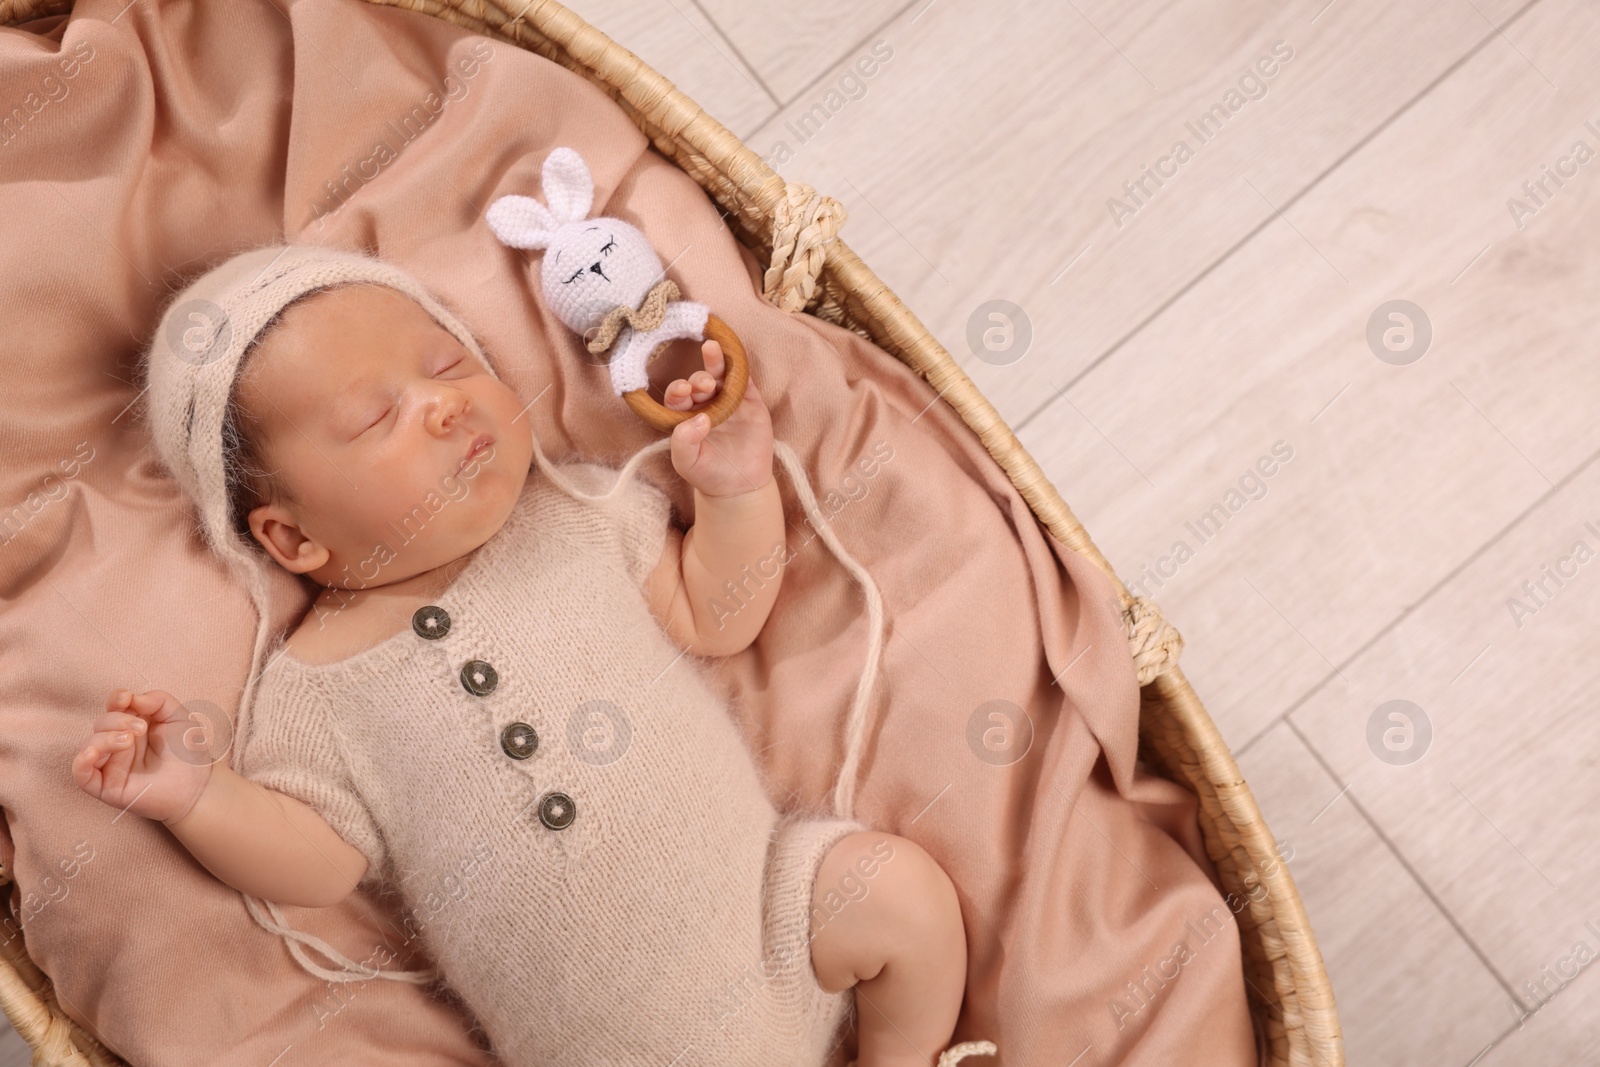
{"x": 348, "y": 969}
{"x": 855, "y": 734}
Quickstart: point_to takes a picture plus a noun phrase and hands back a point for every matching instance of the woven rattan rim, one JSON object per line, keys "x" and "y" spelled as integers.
{"x": 792, "y": 228}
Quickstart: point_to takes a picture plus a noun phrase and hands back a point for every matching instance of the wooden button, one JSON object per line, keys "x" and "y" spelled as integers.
{"x": 478, "y": 678}
{"x": 557, "y": 810}
{"x": 431, "y": 622}
{"x": 519, "y": 740}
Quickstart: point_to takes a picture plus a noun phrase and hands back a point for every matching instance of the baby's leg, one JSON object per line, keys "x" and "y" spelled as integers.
{"x": 885, "y": 919}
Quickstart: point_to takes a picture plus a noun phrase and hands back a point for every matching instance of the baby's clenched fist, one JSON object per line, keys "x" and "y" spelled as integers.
{"x": 137, "y": 758}
{"x": 733, "y": 458}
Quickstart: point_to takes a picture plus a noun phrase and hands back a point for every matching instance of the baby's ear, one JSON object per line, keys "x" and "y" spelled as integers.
{"x": 274, "y": 529}
{"x": 521, "y": 222}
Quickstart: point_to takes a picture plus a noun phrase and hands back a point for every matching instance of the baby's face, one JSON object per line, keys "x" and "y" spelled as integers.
{"x": 400, "y": 450}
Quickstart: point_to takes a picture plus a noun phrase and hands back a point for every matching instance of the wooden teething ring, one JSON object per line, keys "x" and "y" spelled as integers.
{"x": 734, "y": 379}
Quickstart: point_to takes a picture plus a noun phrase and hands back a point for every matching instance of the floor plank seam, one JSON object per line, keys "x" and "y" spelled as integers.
{"x": 1409, "y": 609}
{"x": 1415, "y": 875}
{"x": 814, "y": 82}
{"x": 1523, "y": 1015}
{"x": 1265, "y": 730}
{"x": 761, "y": 82}
{"x": 1431, "y": 591}
{"x": 1494, "y": 32}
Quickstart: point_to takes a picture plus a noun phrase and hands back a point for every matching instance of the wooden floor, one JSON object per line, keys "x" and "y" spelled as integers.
{"x": 1333, "y": 523}
{"x": 1338, "y": 508}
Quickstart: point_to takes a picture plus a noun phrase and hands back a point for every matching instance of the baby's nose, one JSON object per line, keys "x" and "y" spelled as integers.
{"x": 448, "y": 408}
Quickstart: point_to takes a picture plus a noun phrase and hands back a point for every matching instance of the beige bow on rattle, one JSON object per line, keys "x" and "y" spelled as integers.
{"x": 647, "y": 317}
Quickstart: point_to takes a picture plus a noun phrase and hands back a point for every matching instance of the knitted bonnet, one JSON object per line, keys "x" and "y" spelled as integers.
{"x": 191, "y": 368}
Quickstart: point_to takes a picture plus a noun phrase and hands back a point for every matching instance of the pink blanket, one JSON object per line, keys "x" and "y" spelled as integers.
{"x": 140, "y": 144}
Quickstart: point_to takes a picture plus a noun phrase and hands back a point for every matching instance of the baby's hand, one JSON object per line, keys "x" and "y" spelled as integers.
{"x": 732, "y": 458}
{"x": 133, "y": 762}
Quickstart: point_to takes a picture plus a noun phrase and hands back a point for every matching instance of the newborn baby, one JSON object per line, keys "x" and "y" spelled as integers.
{"x": 487, "y": 708}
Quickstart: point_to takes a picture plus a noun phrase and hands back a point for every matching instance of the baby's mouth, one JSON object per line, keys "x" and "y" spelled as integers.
{"x": 480, "y": 444}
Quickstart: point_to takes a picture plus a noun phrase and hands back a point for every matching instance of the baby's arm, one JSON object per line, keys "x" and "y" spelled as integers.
{"x": 735, "y": 539}
{"x": 714, "y": 586}
{"x": 256, "y": 840}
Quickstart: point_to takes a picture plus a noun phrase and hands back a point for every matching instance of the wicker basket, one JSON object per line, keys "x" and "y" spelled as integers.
{"x": 792, "y": 227}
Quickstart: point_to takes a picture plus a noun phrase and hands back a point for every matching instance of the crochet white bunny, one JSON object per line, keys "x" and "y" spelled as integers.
{"x": 593, "y": 267}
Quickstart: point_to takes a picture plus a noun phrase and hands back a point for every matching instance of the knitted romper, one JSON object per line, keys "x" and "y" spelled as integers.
{"x": 574, "y": 823}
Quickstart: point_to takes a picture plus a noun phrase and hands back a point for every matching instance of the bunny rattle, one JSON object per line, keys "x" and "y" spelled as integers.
{"x": 601, "y": 275}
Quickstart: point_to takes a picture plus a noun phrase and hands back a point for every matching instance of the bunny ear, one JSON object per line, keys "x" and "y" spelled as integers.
{"x": 521, "y": 222}
{"x": 568, "y": 188}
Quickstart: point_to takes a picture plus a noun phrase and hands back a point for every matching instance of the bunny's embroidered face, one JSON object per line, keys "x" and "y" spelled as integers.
{"x": 593, "y": 266}
{"x": 590, "y": 265}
